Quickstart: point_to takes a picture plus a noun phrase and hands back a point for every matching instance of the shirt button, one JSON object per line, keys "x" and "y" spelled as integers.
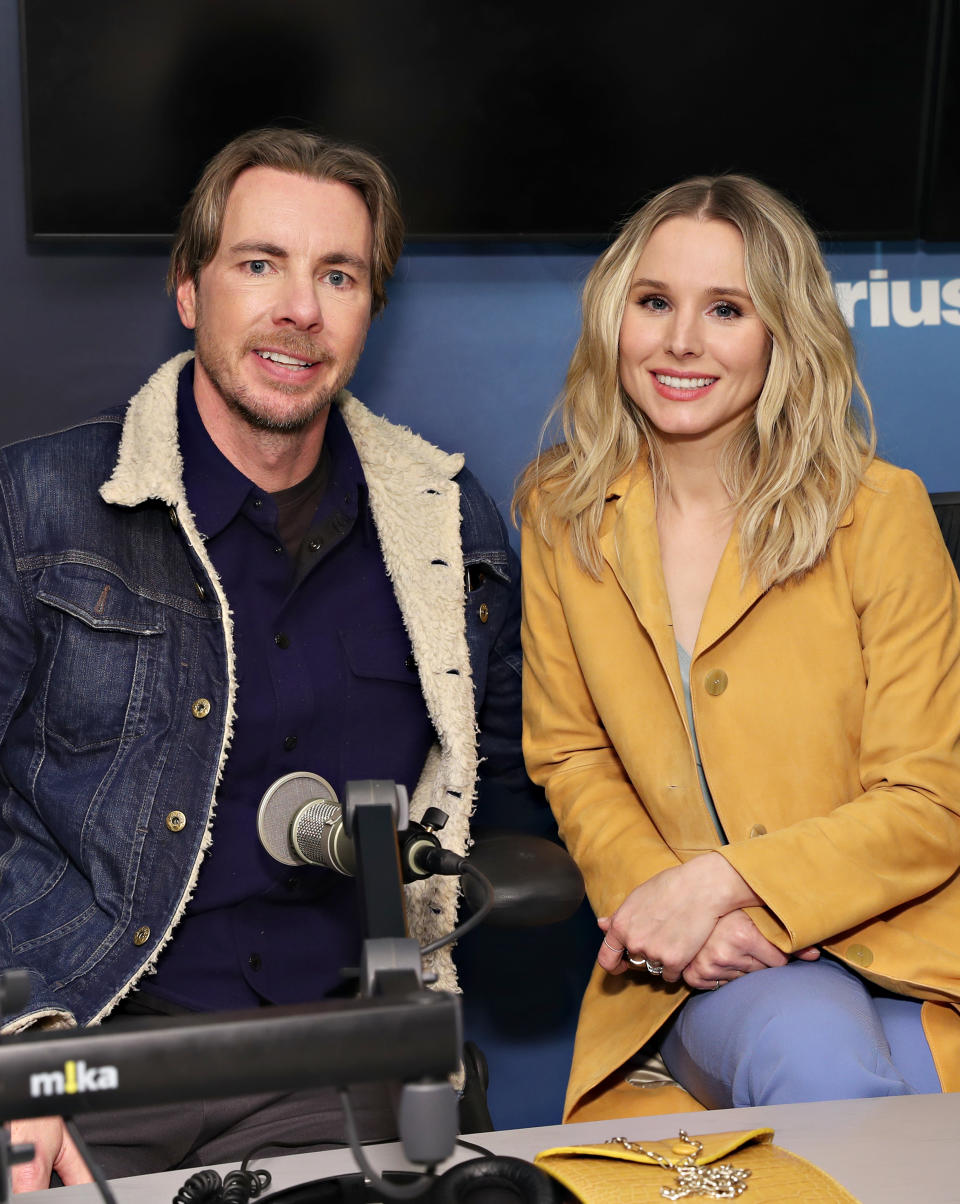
{"x": 141, "y": 936}
{"x": 316, "y": 545}
{"x": 290, "y": 743}
{"x": 201, "y": 708}
{"x": 254, "y": 961}
{"x": 176, "y": 821}
{"x": 860, "y": 955}
{"x": 277, "y": 549}
{"x": 715, "y": 682}
{"x": 281, "y": 639}
{"x": 484, "y": 612}
{"x": 257, "y": 503}
{"x": 757, "y": 830}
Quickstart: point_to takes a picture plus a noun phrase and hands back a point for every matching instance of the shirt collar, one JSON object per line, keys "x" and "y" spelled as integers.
{"x": 216, "y": 490}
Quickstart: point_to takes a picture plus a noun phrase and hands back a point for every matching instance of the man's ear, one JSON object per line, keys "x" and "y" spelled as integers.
{"x": 187, "y": 302}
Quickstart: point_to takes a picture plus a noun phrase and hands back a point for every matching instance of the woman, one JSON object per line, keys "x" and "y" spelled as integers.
{"x": 742, "y": 680}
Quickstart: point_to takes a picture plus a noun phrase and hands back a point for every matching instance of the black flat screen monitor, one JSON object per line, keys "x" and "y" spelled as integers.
{"x": 499, "y": 119}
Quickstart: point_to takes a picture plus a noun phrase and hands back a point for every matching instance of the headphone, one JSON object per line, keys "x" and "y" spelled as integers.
{"x": 497, "y": 1180}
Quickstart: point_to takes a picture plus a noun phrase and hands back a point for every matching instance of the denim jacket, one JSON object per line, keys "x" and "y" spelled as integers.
{"x": 118, "y": 682}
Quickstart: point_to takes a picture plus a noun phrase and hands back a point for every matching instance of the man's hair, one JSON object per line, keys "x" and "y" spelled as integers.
{"x": 793, "y": 466}
{"x": 299, "y": 152}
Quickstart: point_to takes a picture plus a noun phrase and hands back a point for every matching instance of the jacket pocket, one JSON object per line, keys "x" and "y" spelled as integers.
{"x": 100, "y": 649}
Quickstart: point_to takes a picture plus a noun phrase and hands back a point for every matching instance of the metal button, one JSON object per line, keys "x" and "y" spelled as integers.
{"x": 201, "y": 592}
{"x": 257, "y": 503}
{"x": 281, "y": 639}
{"x": 141, "y": 936}
{"x": 860, "y": 955}
{"x": 201, "y": 708}
{"x": 757, "y": 830}
{"x": 715, "y": 682}
{"x": 277, "y": 549}
{"x": 254, "y": 961}
{"x": 174, "y": 520}
{"x": 290, "y": 743}
{"x": 410, "y": 664}
{"x": 176, "y": 821}
{"x": 484, "y": 612}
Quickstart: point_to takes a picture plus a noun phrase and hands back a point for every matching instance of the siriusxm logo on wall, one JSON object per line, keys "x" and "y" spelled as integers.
{"x": 903, "y": 309}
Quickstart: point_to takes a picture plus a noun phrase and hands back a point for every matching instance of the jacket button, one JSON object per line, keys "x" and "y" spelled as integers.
{"x": 141, "y": 936}
{"x": 174, "y": 521}
{"x": 484, "y": 612}
{"x": 176, "y": 821}
{"x": 201, "y": 708}
{"x": 281, "y": 639}
{"x": 410, "y": 664}
{"x": 290, "y": 743}
{"x": 201, "y": 592}
{"x": 715, "y": 682}
{"x": 860, "y": 955}
{"x": 757, "y": 830}
{"x": 255, "y": 961}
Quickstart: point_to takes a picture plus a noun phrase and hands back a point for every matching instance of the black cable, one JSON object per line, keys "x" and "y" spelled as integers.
{"x": 478, "y": 1149}
{"x": 91, "y": 1163}
{"x": 390, "y": 1191}
{"x": 236, "y": 1187}
{"x": 464, "y": 867}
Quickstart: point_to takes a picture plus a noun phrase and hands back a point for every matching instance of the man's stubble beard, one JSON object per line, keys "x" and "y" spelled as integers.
{"x": 244, "y": 403}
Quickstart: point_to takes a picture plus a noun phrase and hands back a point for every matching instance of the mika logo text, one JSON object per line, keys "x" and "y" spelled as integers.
{"x": 904, "y": 302}
{"x": 75, "y": 1078}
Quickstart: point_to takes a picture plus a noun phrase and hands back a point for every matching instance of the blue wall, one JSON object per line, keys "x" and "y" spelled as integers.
{"x": 471, "y": 352}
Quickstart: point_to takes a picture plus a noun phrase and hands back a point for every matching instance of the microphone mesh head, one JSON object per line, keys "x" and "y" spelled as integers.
{"x": 279, "y": 807}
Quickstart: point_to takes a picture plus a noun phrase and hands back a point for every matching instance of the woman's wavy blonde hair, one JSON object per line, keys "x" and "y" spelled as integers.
{"x": 793, "y": 467}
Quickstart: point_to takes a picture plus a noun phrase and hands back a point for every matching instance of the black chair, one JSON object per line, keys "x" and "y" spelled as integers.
{"x": 946, "y": 506}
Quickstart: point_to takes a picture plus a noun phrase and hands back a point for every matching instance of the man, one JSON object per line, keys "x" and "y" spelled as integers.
{"x": 241, "y": 574}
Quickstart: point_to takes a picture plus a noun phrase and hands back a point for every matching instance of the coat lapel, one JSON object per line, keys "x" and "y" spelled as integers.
{"x": 631, "y": 546}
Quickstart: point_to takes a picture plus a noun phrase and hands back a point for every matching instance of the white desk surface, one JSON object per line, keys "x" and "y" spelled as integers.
{"x": 897, "y": 1150}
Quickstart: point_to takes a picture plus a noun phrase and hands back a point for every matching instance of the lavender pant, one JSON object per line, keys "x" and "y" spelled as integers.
{"x": 796, "y": 1033}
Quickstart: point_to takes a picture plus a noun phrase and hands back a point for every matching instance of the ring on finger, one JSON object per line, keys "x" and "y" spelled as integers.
{"x": 640, "y": 961}
{"x": 618, "y": 949}
{"x": 654, "y": 967}
{"x": 717, "y": 987}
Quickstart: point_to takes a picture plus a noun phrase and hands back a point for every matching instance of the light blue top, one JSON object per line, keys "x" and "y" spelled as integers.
{"x": 684, "y": 658}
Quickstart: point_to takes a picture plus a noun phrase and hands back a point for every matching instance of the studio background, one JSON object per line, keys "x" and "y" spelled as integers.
{"x": 470, "y": 352}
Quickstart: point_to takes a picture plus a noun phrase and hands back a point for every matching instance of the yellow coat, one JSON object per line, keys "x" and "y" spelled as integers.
{"x": 828, "y": 718}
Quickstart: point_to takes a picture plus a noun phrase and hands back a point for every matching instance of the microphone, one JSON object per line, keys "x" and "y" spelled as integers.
{"x": 300, "y": 822}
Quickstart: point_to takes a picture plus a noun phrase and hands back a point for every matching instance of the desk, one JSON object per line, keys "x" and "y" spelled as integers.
{"x": 894, "y": 1150}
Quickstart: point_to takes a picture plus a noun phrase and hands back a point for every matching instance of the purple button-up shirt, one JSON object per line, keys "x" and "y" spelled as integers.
{"x": 326, "y": 682}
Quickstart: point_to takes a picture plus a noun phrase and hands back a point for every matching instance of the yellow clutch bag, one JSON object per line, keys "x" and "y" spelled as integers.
{"x": 718, "y": 1166}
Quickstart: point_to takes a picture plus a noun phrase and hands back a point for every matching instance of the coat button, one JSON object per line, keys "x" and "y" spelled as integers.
{"x": 141, "y": 936}
{"x": 715, "y": 682}
{"x": 410, "y": 664}
{"x": 290, "y": 743}
{"x": 484, "y": 612}
{"x": 201, "y": 592}
{"x": 860, "y": 955}
{"x": 174, "y": 520}
{"x": 201, "y": 708}
{"x": 176, "y": 821}
{"x": 255, "y": 961}
{"x": 757, "y": 830}
{"x": 281, "y": 639}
